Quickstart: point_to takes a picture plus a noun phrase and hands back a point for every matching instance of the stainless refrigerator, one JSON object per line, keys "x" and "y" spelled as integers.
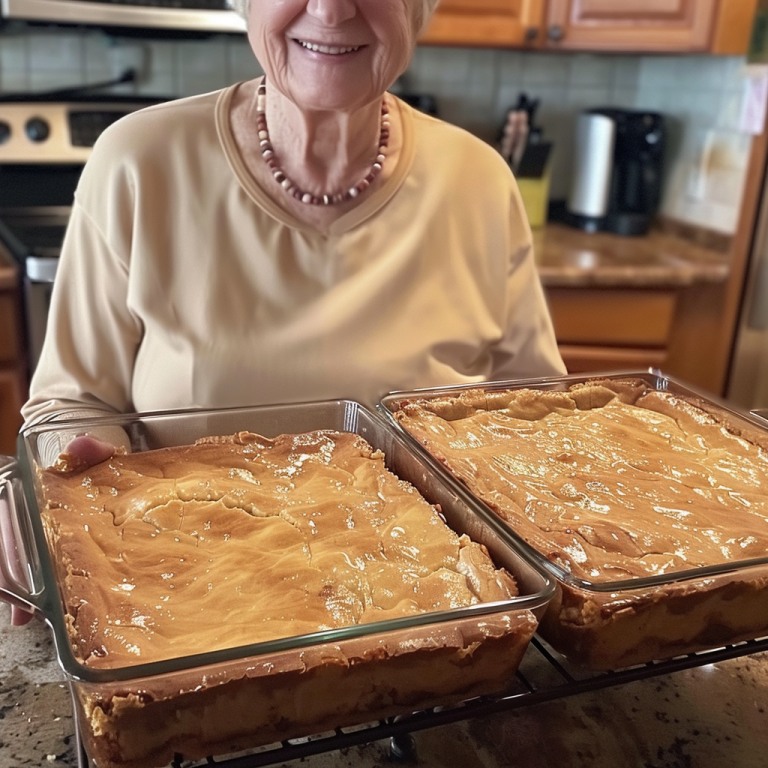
{"x": 748, "y": 377}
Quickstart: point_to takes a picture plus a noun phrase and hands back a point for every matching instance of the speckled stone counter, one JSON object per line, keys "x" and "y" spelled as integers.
{"x": 708, "y": 717}
{"x": 569, "y": 257}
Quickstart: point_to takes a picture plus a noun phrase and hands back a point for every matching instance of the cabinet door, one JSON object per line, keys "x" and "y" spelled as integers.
{"x": 632, "y": 25}
{"x": 10, "y": 324}
{"x": 485, "y": 22}
{"x": 12, "y": 390}
{"x": 586, "y": 359}
{"x": 609, "y": 329}
{"x": 612, "y": 317}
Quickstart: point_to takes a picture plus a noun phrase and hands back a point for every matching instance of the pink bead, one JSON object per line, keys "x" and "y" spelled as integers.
{"x": 267, "y": 152}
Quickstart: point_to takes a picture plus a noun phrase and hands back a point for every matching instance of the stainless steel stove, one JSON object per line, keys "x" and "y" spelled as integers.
{"x": 44, "y": 144}
{"x": 195, "y": 16}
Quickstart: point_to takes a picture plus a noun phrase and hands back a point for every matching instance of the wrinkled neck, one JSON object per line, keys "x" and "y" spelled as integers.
{"x": 322, "y": 150}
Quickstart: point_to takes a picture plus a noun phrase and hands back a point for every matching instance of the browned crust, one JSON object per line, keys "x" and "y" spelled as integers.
{"x": 285, "y": 695}
{"x": 602, "y": 631}
{"x": 257, "y": 700}
{"x": 606, "y": 629}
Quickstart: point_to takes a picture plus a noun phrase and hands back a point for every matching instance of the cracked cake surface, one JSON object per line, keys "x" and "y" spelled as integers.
{"x": 610, "y": 479}
{"x": 241, "y": 539}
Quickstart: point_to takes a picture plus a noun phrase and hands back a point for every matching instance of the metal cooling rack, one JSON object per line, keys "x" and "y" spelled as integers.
{"x": 544, "y": 675}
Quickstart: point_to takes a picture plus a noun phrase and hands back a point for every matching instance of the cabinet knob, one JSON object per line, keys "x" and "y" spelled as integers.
{"x": 555, "y": 33}
{"x": 531, "y": 33}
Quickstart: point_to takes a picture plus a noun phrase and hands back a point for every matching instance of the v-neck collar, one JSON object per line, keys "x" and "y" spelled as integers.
{"x": 346, "y": 222}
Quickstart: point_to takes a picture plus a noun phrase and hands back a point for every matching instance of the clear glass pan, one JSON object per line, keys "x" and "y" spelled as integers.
{"x": 621, "y": 623}
{"x": 146, "y": 431}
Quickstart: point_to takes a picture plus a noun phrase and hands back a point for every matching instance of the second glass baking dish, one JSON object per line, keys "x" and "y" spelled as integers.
{"x": 602, "y": 623}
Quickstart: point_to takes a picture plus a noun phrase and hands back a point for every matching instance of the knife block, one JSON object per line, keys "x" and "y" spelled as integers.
{"x": 535, "y": 194}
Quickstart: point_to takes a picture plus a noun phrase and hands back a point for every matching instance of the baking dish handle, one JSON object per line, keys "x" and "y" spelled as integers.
{"x": 18, "y": 560}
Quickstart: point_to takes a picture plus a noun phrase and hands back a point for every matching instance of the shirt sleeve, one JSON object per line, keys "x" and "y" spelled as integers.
{"x": 86, "y": 363}
{"x": 529, "y": 347}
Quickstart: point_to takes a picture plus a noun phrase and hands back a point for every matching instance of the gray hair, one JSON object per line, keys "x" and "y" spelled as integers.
{"x": 239, "y": 6}
{"x": 425, "y": 13}
{"x": 423, "y": 10}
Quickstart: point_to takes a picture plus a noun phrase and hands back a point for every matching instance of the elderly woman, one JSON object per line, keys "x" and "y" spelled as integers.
{"x": 300, "y": 236}
{"x": 303, "y": 235}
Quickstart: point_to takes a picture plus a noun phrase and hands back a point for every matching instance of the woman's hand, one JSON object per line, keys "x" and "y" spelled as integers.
{"x": 82, "y": 452}
{"x": 89, "y": 450}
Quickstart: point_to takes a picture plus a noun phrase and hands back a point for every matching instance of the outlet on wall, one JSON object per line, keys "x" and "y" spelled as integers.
{"x": 699, "y": 173}
{"x": 696, "y": 189}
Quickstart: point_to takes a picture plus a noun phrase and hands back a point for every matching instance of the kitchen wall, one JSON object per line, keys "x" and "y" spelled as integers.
{"x": 702, "y": 96}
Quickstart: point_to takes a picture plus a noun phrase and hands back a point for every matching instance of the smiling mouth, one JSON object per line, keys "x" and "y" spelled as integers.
{"x": 331, "y": 50}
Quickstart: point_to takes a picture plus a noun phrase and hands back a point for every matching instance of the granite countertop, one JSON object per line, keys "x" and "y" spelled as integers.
{"x": 707, "y": 717}
{"x": 663, "y": 258}
{"x": 570, "y": 257}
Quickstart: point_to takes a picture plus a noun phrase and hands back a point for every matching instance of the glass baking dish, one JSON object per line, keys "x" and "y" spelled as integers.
{"x": 211, "y": 685}
{"x": 609, "y": 624}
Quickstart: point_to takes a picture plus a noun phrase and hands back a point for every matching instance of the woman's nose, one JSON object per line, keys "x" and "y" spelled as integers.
{"x": 332, "y": 12}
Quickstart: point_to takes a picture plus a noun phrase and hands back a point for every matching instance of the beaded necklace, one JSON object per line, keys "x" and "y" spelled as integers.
{"x": 291, "y": 188}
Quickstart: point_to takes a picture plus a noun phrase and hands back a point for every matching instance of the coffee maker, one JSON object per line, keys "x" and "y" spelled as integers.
{"x": 618, "y": 159}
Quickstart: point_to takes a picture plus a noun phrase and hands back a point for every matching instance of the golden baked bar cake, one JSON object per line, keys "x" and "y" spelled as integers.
{"x": 613, "y": 480}
{"x": 238, "y": 540}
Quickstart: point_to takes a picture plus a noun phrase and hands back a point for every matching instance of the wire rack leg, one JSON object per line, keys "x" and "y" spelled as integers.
{"x": 402, "y": 748}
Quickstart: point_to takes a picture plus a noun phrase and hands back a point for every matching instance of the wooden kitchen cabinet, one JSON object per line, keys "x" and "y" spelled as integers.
{"x": 12, "y": 388}
{"x": 502, "y": 23}
{"x": 602, "y": 329}
{"x": 633, "y": 329}
{"x": 632, "y": 303}
{"x": 618, "y": 26}
{"x": 12, "y": 360}
{"x": 678, "y": 26}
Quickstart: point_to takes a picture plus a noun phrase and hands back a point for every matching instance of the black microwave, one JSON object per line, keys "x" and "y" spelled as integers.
{"x": 204, "y": 16}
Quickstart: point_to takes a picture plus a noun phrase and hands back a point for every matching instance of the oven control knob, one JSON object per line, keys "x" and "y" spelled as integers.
{"x": 37, "y": 129}
{"x": 5, "y": 132}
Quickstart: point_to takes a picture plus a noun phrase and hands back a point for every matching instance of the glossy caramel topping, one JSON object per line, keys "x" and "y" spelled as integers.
{"x": 239, "y": 540}
{"x": 610, "y": 481}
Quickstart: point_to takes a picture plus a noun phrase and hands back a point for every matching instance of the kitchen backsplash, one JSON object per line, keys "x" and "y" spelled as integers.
{"x": 702, "y": 96}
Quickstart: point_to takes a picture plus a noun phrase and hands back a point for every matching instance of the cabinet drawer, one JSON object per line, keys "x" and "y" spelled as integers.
{"x": 584, "y": 359}
{"x": 616, "y": 316}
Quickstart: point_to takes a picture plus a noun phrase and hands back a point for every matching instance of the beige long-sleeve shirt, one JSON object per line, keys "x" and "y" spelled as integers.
{"x": 181, "y": 283}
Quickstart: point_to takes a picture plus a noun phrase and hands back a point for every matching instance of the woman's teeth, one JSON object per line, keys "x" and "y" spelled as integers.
{"x": 333, "y": 50}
